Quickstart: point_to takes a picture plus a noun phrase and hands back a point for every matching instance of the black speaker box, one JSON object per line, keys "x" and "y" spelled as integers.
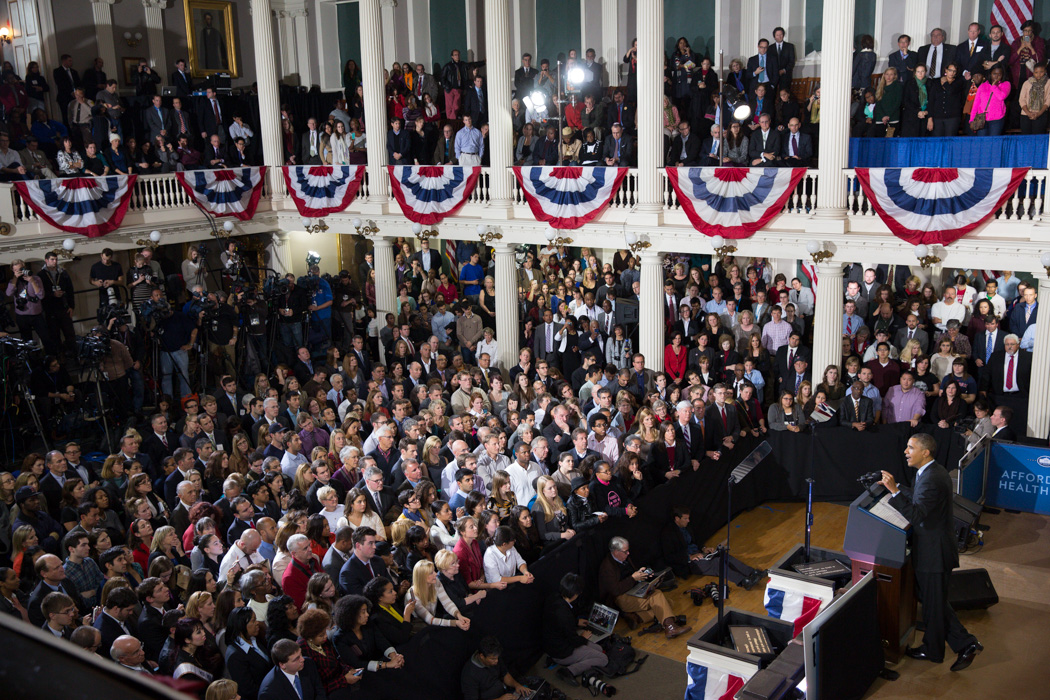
{"x": 971, "y": 589}
{"x": 966, "y": 514}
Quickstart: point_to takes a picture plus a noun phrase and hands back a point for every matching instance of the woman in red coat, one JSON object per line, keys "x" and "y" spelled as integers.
{"x": 675, "y": 358}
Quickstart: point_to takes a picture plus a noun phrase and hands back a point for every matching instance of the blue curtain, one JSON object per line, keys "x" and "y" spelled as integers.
{"x": 951, "y": 152}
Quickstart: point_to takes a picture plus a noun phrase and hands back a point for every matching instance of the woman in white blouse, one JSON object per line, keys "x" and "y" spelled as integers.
{"x": 488, "y": 345}
{"x": 443, "y": 533}
{"x": 427, "y": 592}
{"x": 340, "y": 145}
{"x": 357, "y": 513}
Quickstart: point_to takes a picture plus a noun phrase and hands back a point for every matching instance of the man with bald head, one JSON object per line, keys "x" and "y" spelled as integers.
{"x": 52, "y": 580}
{"x": 128, "y": 652}
{"x": 242, "y": 554}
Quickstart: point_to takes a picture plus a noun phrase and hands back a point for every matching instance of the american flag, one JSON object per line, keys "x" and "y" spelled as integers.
{"x": 453, "y": 263}
{"x": 1011, "y": 14}
{"x": 810, "y": 271}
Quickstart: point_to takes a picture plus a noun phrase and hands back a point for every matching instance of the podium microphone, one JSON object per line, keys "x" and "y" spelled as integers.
{"x": 870, "y": 478}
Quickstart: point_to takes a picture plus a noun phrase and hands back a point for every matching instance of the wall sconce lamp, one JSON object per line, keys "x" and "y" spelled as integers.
{"x": 926, "y": 258}
{"x": 365, "y": 228}
{"x": 422, "y": 234}
{"x": 555, "y": 239}
{"x": 487, "y": 236}
{"x": 133, "y": 39}
{"x": 319, "y": 227}
{"x": 722, "y": 248}
{"x": 817, "y": 253}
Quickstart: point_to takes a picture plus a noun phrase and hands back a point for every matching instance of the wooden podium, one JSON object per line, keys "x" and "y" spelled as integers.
{"x": 880, "y": 544}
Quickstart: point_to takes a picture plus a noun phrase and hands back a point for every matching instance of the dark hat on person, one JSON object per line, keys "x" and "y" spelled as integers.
{"x": 277, "y": 429}
{"x": 579, "y": 481}
{"x": 24, "y": 494}
{"x": 383, "y": 548}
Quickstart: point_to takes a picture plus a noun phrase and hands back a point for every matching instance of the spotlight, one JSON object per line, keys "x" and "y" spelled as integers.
{"x": 312, "y": 258}
{"x": 576, "y": 75}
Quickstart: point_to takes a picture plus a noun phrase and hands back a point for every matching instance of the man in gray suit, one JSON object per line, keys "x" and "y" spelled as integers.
{"x": 158, "y": 121}
{"x": 911, "y": 331}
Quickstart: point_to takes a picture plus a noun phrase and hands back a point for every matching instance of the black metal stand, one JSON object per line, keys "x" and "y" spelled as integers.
{"x": 809, "y": 518}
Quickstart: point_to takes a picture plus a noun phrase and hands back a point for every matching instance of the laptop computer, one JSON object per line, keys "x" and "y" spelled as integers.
{"x": 644, "y": 588}
{"x": 601, "y": 622}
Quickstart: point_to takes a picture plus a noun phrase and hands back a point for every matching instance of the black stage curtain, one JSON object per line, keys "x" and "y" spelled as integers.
{"x": 834, "y": 457}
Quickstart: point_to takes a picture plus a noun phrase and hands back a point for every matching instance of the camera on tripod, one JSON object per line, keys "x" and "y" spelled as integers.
{"x": 92, "y": 348}
{"x": 117, "y": 312}
{"x": 14, "y": 347}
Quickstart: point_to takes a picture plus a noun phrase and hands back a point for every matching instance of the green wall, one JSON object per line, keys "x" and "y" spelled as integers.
{"x": 448, "y": 30}
{"x": 864, "y": 21}
{"x": 349, "y": 34}
{"x": 693, "y": 19}
{"x": 558, "y": 30}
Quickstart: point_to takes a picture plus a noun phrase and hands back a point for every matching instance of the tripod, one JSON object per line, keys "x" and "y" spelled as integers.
{"x": 21, "y": 387}
{"x": 93, "y": 377}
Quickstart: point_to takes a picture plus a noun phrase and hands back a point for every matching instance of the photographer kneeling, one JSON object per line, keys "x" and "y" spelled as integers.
{"x": 115, "y": 363}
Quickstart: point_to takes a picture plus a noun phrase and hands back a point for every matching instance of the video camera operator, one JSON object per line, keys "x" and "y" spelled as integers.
{"x": 27, "y": 290}
{"x": 193, "y": 269}
{"x": 115, "y": 365}
{"x": 176, "y": 333}
{"x": 291, "y": 302}
{"x": 59, "y": 301}
{"x": 232, "y": 265}
{"x": 141, "y": 281}
{"x": 320, "y": 309}
{"x": 135, "y": 342}
{"x": 345, "y": 301}
{"x": 53, "y": 388}
{"x": 106, "y": 274}
{"x": 220, "y": 323}
{"x": 252, "y": 312}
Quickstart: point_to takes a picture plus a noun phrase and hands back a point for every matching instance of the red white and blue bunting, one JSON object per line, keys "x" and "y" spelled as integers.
{"x": 733, "y": 202}
{"x": 429, "y": 193}
{"x": 320, "y": 190}
{"x": 937, "y": 205}
{"x": 568, "y": 198}
{"x": 89, "y": 206}
{"x": 232, "y": 192}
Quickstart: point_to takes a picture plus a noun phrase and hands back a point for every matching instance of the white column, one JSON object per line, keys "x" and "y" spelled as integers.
{"x": 471, "y": 52}
{"x": 507, "y": 305}
{"x": 419, "y": 33}
{"x": 386, "y": 280}
{"x": 281, "y": 251}
{"x": 102, "y": 12}
{"x": 388, "y": 49}
{"x": 1039, "y": 390}
{"x": 650, "y": 302}
{"x": 286, "y": 38}
{"x": 269, "y": 102}
{"x": 45, "y": 18}
{"x": 498, "y": 68}
{"x": 302, "y": 46}
{"x": 750, "y": 28}
{"x": 158, "y": 57}
{"x": 835, "y": 79}
{"x": 609, "y": 50}
{"x": 650, "y": 140}
{"x": 916, "y": 18}
{"x": 524, "y": 33}
{"x": 375, "y": 101}
{"x": 827, "y": 314}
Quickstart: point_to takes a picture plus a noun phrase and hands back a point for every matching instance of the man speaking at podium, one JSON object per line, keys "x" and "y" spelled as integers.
{"x": 928, "y": 507}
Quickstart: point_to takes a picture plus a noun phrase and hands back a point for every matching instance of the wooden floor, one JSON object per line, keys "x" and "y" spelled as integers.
{"x": 759, "y": 538}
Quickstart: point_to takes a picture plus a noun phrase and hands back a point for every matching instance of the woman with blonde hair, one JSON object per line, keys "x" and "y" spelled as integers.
{"x": 222, "y": 689}
{"x": 549, "y": 512}
{"x": 502, "y": 497}
{"x": 280, "y": 545}
{"x": 888, "y": 96}
{"x": 239, "y": 450}
{"x": 832, "y": 387}
{"x": 805, "y": 393}
{"x": 201, "y": 606}
{"x": 425, "y": 595}
{"x": 304, "y": 477}
{"x": 911, "y": 353}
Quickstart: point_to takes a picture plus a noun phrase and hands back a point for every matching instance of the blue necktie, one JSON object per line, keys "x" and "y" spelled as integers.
{"x": 298, "y": 685}
{"x": 989, "y": 346}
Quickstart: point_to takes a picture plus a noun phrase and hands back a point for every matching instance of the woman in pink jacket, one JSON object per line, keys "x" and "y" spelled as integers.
{"x": 990, "y": 101}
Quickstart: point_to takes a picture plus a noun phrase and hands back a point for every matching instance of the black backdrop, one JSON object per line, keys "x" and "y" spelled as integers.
{"x": 834, "y": 457}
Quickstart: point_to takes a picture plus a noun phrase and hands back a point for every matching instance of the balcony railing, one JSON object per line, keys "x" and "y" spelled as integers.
{"x": 162, "y": 193}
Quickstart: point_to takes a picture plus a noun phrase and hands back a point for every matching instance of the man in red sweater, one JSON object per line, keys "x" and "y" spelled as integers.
{"x": 303, "y": 566}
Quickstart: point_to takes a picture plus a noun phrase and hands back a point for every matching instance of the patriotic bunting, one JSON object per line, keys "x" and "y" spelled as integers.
{"x": 429, "y": 193}
{"x": 707, "y": 683}
{"x": 791, "y": 606}
{"x": 320, "y": 190}
{"x": 568, "y": 198}
{"x": 89, "y": 206}
{"x": 733, "y": 202}
{"x": 225, "y": 192}
{"x": 937, "y": 205}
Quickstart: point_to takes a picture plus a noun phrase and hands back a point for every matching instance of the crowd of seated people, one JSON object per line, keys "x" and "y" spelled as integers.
{"x": 984, "y": 86}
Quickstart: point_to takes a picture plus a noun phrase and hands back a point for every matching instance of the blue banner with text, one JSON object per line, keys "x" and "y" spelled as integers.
{"x": 1019, "y": 478}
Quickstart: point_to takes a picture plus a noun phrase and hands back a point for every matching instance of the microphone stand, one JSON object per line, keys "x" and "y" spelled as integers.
{"x": 809, "y": 518}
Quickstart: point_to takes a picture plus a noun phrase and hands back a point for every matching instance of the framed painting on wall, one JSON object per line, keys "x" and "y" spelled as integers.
{"x": 209, "y": 37}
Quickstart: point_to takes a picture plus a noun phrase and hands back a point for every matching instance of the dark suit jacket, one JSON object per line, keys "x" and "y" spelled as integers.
{"x": 435, "y": 258}
{"x": 523, "y": 83}
{"x": 626, "y": 149}
{"x": 788, "y": 381}
{"x": 785, "y": 60}
{"x": 615, "y": 115}
{"x": 387, "y": 496}
{"x": 211, "y": 153}
{"x": 355, "y": 574}
{"x": 226, "y": 407}
{"x": 904, "y": 66}
{"x": 239, "y": 159}
{"x": 156, "y": 450}
{"x": 705, "y": 152}
{"x": 476, "y": 107}
{"x": 1005, "y": 435}
{"x": 805, "y": 149}
{"x": 189, "y": 123}
{"x": 947, "y": 56}
{"x": 401, "y": 142}
{"x": 928, "y": 507}
{"x": 781, "y": 367}
{"x": 180, "y": 519}
{"x": 920, "y": 335}
{"x": 304, "y": 146}
{"x": 151, "y": 631}
{"x": 674, "y": 551}
{"x": 206, "y": 117}
{"x": 964, "y": 60}
{"x": 183, "y": 83}
{"x": 545, "y": 150}
{"x": 715, "y": 430}
{"x": 695, "y": 442}
{"x": 63, "y": 88}
{"x": 693, "y": 151}
{"x": 236, "y": 529}
{"x": 980, "y": 344}
{"x": 36, "y": 615}
{"x": 848, "y": 415}
{"x": 52, "y": 491}
{"x": 990, "y": 53}
{"x": 772, "y": 71}
{"x": 247, "y": 669}
{"x": 275, "y": 686}
{"x": 110, "y": 630}
{"x": 156, "y": 123}
{"x": 992, "y": 380}
{"x": 755, "y": 149}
